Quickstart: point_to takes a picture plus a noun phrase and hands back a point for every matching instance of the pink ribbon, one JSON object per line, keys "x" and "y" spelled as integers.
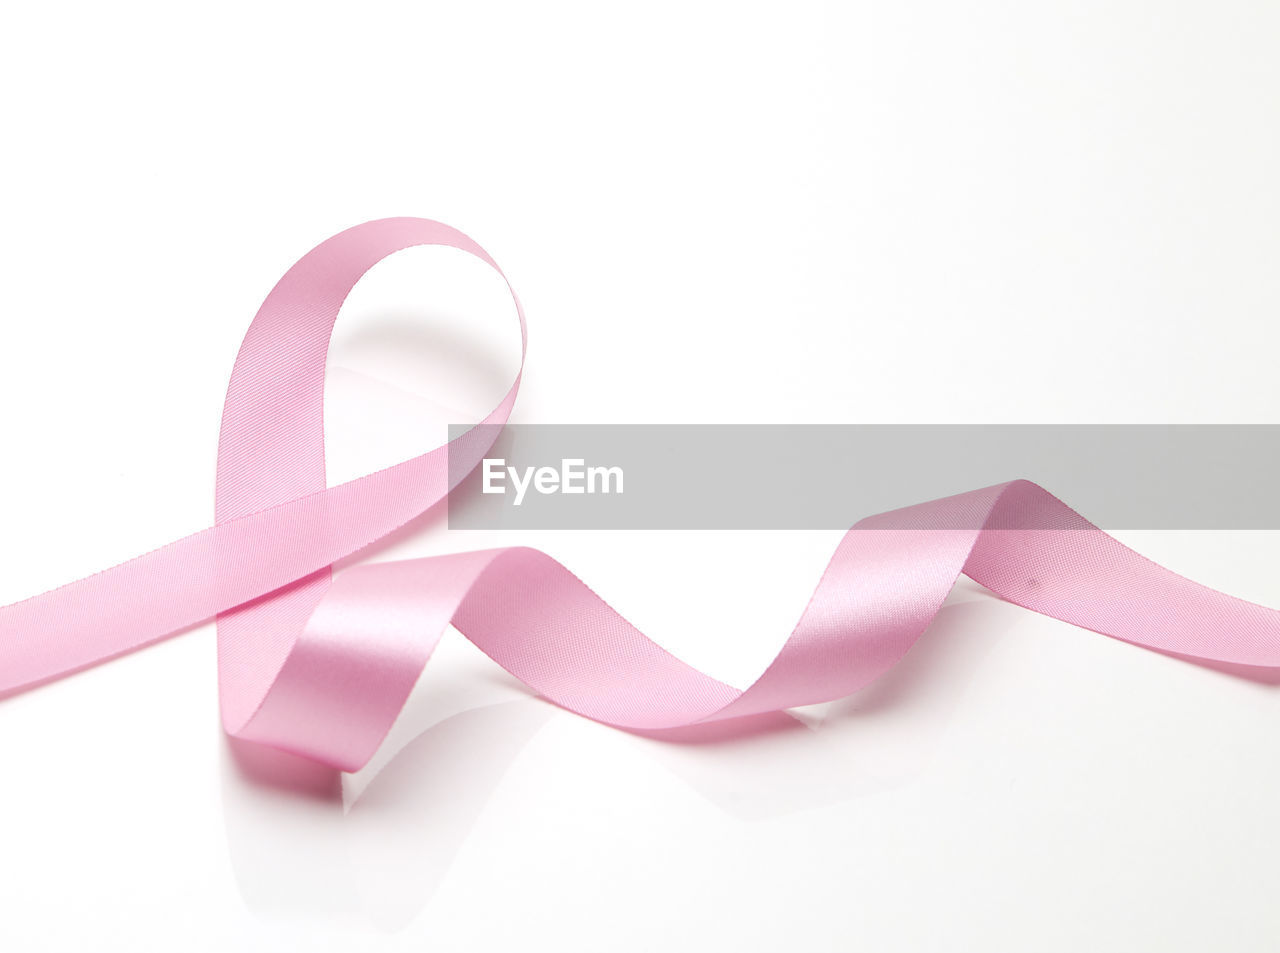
{"x": 321, "y": 666}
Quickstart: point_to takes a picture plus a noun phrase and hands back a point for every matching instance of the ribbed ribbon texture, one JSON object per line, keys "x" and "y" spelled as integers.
{"x": 321, "y": 665}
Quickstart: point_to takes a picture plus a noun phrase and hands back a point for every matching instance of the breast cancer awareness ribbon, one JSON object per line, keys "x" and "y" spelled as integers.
{"x": 320, "y": 665}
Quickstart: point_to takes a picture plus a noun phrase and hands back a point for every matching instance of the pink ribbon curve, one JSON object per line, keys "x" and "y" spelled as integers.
{"x": 321, "y": 665}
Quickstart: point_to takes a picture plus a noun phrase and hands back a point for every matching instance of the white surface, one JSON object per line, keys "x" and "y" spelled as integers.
{"x": 713, "y": 212}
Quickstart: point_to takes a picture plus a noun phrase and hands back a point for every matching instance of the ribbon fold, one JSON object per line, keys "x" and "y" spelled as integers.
{"x": 321, "y": 666}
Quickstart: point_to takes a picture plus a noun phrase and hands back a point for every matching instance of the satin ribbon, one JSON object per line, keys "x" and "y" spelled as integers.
{"x": 321, "y": 666}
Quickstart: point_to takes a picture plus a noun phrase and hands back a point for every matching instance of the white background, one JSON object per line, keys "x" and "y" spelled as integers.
{"x": 713, "y": 212}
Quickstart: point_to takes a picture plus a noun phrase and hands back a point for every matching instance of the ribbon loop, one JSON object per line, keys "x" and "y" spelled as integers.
{"x": 322, "y": 666}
